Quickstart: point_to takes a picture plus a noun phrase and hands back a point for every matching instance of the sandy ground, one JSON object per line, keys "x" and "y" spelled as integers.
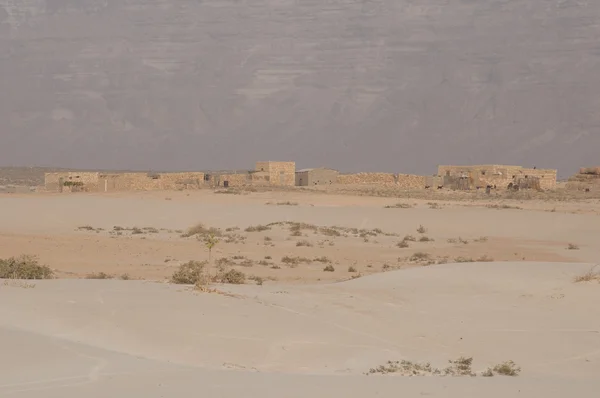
{"x": 304, "y": 331}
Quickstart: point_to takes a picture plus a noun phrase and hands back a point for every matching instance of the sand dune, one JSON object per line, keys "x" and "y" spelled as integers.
{"x": 95, "y": 337}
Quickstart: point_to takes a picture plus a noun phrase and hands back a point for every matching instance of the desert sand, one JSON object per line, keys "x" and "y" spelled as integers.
{"x": 302, "y": 331}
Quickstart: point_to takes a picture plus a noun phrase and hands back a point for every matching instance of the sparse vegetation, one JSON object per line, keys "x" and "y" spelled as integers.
{"x": 257, "y": 228}
{"x": 294, "y": 261}
{"x": 191, "y": 273}
{"x": 99, "y": 275}
{"x": 400, "y": 206}
{"x": 200, "y": 230}
{"x": 458, "y": 367}
{"x": 287, "y": 203}
{"x": 485, "y": 258}
{"x": 503, "y": 207}
{"x": 304, "y": 243}
{"x": 462, "y": 259}
{"x": 425, "y": 239}
{"x": 322, "y": 259}
{"x": 329, "y": 268}
{"x": 421, "y": 229}
{"x": 420, "y": 256}
{"x": 508, "y": 368}
{"x": 409, "y": 238}
{"x": 572, "y": 246}
{"x": 589, "y": 276}
{"x": 231, "y": 276}
{"x": 351, "y": 269}
{"x": 402, "y": 244}
{"x": 24, "y": 267}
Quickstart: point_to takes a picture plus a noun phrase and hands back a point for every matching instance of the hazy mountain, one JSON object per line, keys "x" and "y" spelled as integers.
{"x": 388, "y": 85}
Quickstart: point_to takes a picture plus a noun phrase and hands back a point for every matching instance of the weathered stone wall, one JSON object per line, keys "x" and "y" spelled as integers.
{"x": 547, "y": 176}
{"x": 587, "y": 179}
{"x": 367, "y": 178}
{"x": 411, "y": 181}
{"x": 150, "y": 181}
{"x": 317, "y": 176}
{"x": 499, "y": 175}
{"x": 235, "y": 180}
{"x": 52, "y": 181}
{"x": 280, "y": 173}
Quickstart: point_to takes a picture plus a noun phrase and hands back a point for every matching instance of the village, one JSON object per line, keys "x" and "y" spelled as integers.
{"x": 285, "y": 174}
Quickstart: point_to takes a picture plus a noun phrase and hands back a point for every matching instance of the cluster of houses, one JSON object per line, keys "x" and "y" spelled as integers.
{"x": 284, "y": 174}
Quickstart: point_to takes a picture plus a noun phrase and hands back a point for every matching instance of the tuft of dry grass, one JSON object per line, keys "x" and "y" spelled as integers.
{"x": 420, "y": 256}
{"x": 409, "y": 238}
{"x": 303, "y": 243}
{"x": 572, "y": 246}
{"x": 329, "y": 268}
{"x": 589, "y": 276}
{"x": 508, "y": 368}
{"x": 257, "y": 228}
{"x": 351, "y": 269}
{"x": 287, "y": 203}
{"x": 322, "y": 259}
{"x": 485, "y": 259}
{"x": 462, "y": 259}
{"x": 421, "y": 229}
{"x": 99, "y": 275}
{"x": 425, "y": 239}
{"x": 403, "y": 244}
{"x": 399, "y": 206}
{"x": 24, "y": 267}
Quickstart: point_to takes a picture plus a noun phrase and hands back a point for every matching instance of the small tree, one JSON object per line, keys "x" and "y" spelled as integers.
{"x": 210, "y": 241}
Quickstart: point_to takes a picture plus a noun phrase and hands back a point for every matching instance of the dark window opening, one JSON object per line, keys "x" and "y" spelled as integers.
{"x": 206, "y": 177}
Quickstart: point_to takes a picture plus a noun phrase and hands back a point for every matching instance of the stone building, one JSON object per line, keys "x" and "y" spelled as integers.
{"x": 276, "y": 173}
{"x": 73, "y": 181}
{"x": 479, "y": 176}
{"x": 588, "y": 179}
{"x": 316, "y": 176}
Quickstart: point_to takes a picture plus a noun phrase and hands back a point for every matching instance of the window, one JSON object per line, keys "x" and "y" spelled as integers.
{"x": 206, "y": 177}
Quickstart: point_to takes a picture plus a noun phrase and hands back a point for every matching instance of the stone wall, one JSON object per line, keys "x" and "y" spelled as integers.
{"x": 54, "y": 182}
{"x": 235, "y": 180}
{"x": 280, "y": 173}
{"x": 367, "y": 178}
{"x": 150, "y": 181}
{"x": 411, "y": 181}
{"x": 587, "y": 179}
{"x": 499, "y": 175}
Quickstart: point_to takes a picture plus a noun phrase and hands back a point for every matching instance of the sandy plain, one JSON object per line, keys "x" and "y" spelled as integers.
{"x": 494, "y": 280}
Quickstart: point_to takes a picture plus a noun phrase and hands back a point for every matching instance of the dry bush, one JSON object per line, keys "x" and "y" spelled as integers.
{"x": 327, "y": 231}
{"x": 405, "y": 368}
{"x": 201, "y": 230}
{"x": 99, "y": 275}
{"x": 304, "y": 243}
{"x": 259, "y": 280}
{"x": 409, "y": 238}
{"x": 125, "y": 277}
{"x": 294, "y": 261}
{"x": 508, "y": 368}
{"x": 503, "y": 207}
{"x": 24, "y": 267}
{"x": 287, "y": 203}
{"x": 434, "y": 205}
{"x": 572, "y": 246}
{"x": 224, "y": 261}
{"x": 421, "y": 229}
{"x": 485, "y": 259}
{"x": 247, "y": 263}
{"x": 403, "y": 244}
{"x": 462, "y": 259}
{"x": 420, "y": 256}
{"x": 231, "y": 276}
{"x": 399, "y": 206}
{"x": 322, "y": 259}
{"x": 257, "y": 228}
{"x": 329, "y": 268}
{"x": 460, "y": 367}
{"x": 425, "y": 239}
{"x": 351, "y": 269}
{"x": 481, "y": 239}
{"x": 191, "y": 273}
{"x": 589, "y": 276}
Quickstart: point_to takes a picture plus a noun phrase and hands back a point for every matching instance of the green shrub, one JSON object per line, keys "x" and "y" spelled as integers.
{"x": 24, "y": 267}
